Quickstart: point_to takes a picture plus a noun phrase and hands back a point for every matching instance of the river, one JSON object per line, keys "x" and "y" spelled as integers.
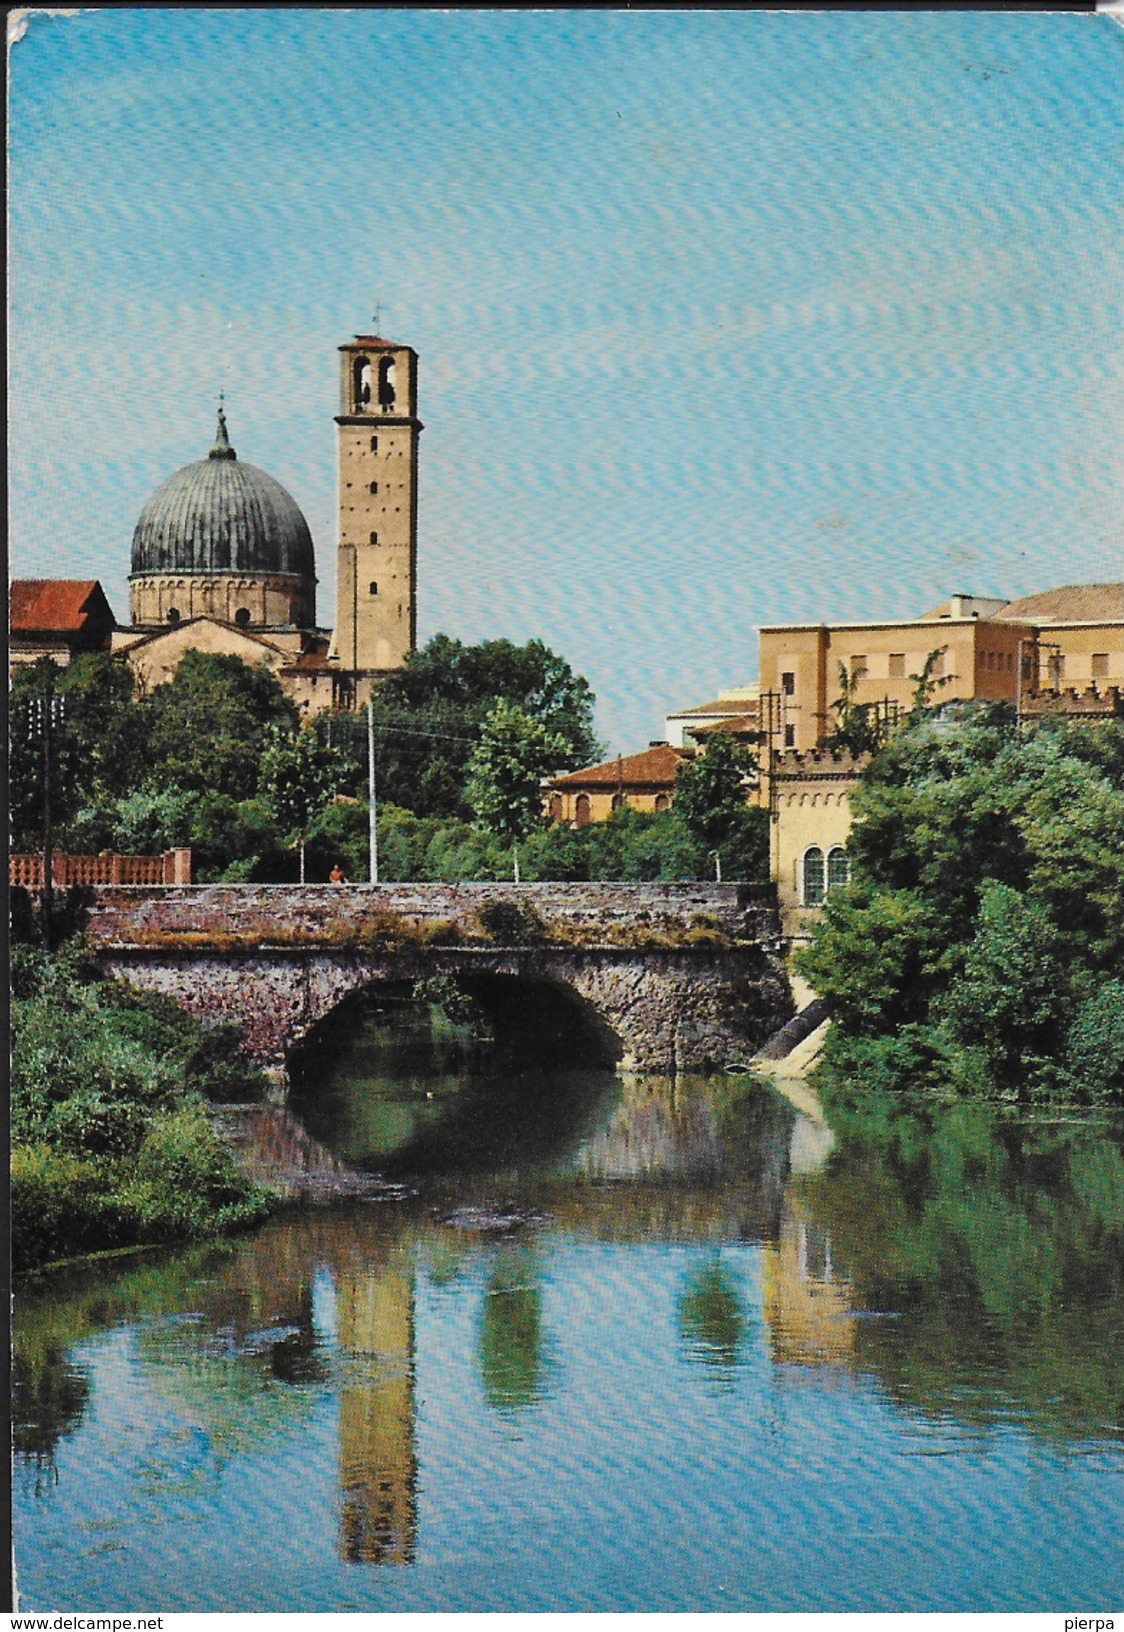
{"x": 601, "y": 1344}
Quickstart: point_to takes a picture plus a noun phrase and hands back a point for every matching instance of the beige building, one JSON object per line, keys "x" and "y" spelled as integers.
{"x": 735, "y": 710}
{"x": 810, "y": 806}
{"x": 644, "y": 781}
{"x": 990, "y": 650}
{"x": 378, "y": 432}
{"x": 1058, "y": 652}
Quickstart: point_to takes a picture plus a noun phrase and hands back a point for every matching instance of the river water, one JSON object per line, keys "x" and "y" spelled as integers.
{"x": 614, "y": 1343}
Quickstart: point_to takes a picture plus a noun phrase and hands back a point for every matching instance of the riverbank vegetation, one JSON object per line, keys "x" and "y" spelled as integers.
{"x": 217, "y": 760}
{"x": 980, "y": 943}
{"x": 111, "y": 1144}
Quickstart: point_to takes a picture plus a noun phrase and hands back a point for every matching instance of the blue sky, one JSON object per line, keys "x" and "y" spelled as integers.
{"x": 724, "y": 318}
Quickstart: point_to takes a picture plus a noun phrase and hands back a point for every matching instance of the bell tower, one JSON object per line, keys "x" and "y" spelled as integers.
{"x": 376, "y": 616}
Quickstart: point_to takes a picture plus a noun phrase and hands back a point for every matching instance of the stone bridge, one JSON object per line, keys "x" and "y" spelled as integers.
{"x": 657, "y": 977}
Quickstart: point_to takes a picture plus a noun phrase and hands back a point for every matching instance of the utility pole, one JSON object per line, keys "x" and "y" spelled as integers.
{"x": 45, "y": 713}
{"x": 372, "y": 803}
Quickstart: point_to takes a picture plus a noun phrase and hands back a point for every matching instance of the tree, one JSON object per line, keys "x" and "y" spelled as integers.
{"x": 506, "y": 771}
{"x": 297, "y": 776}
{"x": 985, "y": 916}
{"x": 710, "y": 800}
{"x": 428, "y": 717}
{"x": 99, "y": 748}
{"x": 208, "y": 724}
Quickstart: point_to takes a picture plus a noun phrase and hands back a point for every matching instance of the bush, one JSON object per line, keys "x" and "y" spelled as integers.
{"x": 1096, "y": 1044}
{"x": 111, "y": 1146}
{"x": 512, "y": 923}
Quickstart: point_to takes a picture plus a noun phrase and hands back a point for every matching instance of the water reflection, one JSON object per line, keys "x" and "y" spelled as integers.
{"x": 377, "y": 1461}
{"x": 713, "y": 1320}
{"x": 511, "y": 1342}
{"x": 809, "y": 1308}
{"x": 956, "y": 1263}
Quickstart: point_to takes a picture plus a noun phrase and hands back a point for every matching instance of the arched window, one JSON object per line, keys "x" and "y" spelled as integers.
{"x": 662, "y": 802}
{"x": 386, "y": 383}
{"x": 838, "y": 868}
{"x": 361, "y": 384}
{"x": 373, "y": 588}
{"x": 374, "y": 538}
{"x": 555, "y": 807}
{"x": 813, "y": 877}
{"x": 242, "y": 616}
{"x": 618, "y": 801}
{"x": 173, "y": 614}
{"x": 581, "y": 810}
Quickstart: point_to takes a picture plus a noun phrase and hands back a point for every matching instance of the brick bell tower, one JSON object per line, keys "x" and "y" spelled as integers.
{"x": 376, "y": 616}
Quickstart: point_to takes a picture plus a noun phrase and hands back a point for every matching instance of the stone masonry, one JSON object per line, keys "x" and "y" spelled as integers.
{"x": 658, "y": 977}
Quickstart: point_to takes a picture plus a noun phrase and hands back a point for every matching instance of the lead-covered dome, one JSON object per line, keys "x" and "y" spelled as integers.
{"x": 220, "y": 515}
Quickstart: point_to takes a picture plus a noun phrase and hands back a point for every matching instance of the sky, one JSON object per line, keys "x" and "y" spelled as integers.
{"x": 724, "y": 318}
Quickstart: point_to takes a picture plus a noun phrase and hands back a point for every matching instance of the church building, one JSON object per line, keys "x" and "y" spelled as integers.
{"x": 223, "y": 559}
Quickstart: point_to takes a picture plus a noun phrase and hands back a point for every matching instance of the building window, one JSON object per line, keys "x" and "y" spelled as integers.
{"x": 242, "y": 616}
{"x": 581, "y": 810}
{"x": 374, "y": 487}
{"x": 361, "y": 384}
{"x": 838, "y": 868}
{"x": 374, "y": 538}
{"x": 1010, "y": 662}
{"x": 897, "y": 665}
{"x": 991, "y": 660}
{"x": 662, "y": 802}
{"x": 556, "y": 807}
{"x": 813, "y": 877}
{"x": 790, "y": 736}
{"x": 386, "y": 384}
{"x": 1100, "y": 665}
{"x": 372, "y": 589}
{"x": 374, "y": 444}
{"x": 618, "y": 802}
{"x": 858, "y": 665}
{"x": 173, "y": 614}
{"x": 788, "y": 683}
{"x": 982, "y": 660}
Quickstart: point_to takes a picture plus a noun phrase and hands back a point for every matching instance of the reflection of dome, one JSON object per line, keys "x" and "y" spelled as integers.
{"x": 222, "y": 516}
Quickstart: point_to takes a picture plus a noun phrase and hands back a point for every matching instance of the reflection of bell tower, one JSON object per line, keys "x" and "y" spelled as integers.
{"x": 376, "y": 619}
{"x": 378, "y": 1469}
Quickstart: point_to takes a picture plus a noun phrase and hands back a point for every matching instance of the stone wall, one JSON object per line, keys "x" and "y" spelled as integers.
{"x": 591, "y": 915}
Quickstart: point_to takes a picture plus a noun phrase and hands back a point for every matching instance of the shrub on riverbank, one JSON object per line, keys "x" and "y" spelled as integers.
{"x": 111, "y": 1146}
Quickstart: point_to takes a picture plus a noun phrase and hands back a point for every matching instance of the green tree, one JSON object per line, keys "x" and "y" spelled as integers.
{"x": 506, "y": 771}
{"x": 428, "y": 717}
{"x": 710, "y": 801}
{"x": 297, "y": 777}
{"x": 209, "y": 723}
{"x": 986, "y": 909}
{"x": 99, "y": 748}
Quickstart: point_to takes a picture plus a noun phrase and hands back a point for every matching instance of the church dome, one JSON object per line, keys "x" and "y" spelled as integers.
{"x": 220, "y": 515}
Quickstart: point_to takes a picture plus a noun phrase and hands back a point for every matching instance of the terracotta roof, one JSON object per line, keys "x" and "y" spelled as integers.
{"x": 371, "y": 340}
{"x": 58, "y": 605}
{"x": 720, "y": 705}
{"x": 1074, "y": 603}
{"x": 654, "y": 768}
{"x": 738, "y": 725}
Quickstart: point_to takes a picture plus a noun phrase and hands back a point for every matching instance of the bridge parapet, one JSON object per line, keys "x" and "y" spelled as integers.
{"x": 638, "y": 917}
